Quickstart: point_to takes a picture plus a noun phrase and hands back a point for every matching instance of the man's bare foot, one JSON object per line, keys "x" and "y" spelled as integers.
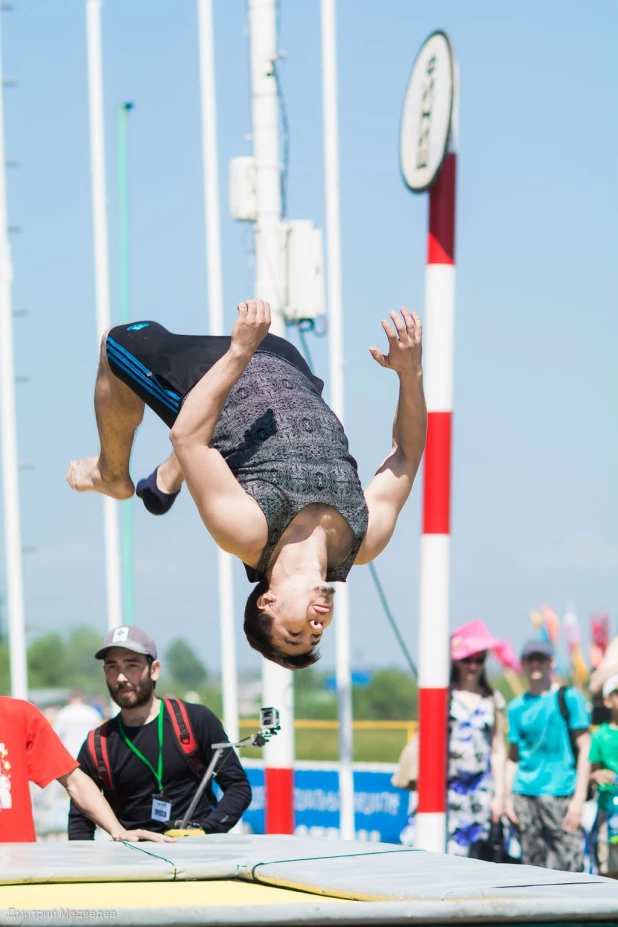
{"x": 85, "y": 476}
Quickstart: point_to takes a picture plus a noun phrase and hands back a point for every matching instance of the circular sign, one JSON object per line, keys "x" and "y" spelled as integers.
{"x": 427, "y": 110}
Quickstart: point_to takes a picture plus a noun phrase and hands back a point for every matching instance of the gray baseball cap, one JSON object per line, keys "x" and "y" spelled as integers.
{"x": 128, "y": 637}
{"x": 535, "y": 646}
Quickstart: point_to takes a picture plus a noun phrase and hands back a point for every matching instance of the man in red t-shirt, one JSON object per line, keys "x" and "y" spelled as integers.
{"x": 30, "y": 751}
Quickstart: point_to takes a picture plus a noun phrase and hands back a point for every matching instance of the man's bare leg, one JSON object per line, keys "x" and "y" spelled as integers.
{"x": 169, "y": 475}
{"x": 118, "y": 411}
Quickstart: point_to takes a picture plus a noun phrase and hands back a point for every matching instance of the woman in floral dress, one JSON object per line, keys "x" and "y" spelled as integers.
{"x": 476, "y": 748}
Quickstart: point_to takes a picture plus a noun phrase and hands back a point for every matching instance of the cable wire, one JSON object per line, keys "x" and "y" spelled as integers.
{"x": 304, "y": 326}
{"x": 391, "y": 619}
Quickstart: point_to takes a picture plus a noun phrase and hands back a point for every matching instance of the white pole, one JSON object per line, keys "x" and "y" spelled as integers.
{"x": 101, "y": 275}
{"x": 10, "y": 462}
{"x": 265, "y": 116}
{"x": 335, "y": 357}
{"x": 215, "y": 312}
{"x": 276, "y": 682}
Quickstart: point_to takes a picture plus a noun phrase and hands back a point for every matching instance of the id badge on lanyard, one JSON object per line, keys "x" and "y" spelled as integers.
{"x": 161, "y": 809}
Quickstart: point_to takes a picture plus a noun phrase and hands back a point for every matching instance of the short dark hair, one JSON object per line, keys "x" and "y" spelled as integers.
{"x": 258, "y": 631}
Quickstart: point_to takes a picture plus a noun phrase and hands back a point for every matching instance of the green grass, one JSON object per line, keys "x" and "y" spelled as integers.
{"x": 369, "y": 746}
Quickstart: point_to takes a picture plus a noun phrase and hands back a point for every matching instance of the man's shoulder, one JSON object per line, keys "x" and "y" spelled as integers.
{"x": 515, "y": 704}
{"x": 574, "y": 696}
{"x": 199, "y": 714}
{"x": 577, "y": 708}
{"x": 18, "y": 708}
{"x": 17, "y": 705}
{"x": 196, "y": 713}
{"x": 107, "y": 726}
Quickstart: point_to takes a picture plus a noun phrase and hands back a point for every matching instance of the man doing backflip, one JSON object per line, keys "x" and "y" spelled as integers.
{"x": 265, "y": 460}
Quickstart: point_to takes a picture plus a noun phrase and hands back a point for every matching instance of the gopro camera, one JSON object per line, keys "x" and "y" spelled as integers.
{"x": 269, "y": 719}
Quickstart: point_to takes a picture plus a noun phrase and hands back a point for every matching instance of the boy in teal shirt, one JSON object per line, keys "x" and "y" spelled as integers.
{"x": 545, "y": 786}
{"x": 604, "y": 760}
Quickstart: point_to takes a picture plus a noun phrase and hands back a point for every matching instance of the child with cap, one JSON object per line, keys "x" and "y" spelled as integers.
{"x": 604, "y": 760}
{"x": 548, "y": 769}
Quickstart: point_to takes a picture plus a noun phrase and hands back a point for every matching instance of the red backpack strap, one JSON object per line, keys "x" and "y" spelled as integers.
{"x": 184, "y": 734}
{"x": 97, "y": 745}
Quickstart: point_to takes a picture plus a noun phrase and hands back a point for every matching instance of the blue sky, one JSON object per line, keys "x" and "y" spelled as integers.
{"x": 535, "y": 440}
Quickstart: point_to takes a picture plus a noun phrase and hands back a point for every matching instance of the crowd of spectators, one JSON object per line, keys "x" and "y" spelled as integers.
{"x": 528, "y": 775}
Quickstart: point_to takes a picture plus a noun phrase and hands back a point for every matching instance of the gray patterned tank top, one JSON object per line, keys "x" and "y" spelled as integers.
{"x": 287, "y": 449}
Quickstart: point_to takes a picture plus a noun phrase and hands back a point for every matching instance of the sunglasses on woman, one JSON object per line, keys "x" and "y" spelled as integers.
{"x": 476, "y": 661}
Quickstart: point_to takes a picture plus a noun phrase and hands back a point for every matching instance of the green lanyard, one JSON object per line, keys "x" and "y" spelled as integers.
{"x": 158, "y": 773}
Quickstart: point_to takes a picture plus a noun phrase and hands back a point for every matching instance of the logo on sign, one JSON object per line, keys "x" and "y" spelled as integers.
{"x": 424, "y": 128}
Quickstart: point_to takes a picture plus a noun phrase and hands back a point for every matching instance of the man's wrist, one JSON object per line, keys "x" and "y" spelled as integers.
{"x": 239, "y": 353}
{"x": 412, "y": 375}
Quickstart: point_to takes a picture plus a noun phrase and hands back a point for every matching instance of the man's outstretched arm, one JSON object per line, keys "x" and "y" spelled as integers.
{"x": 389, "y": 489}
{"x": 233, "y": 519}
{"x": 83, "y": 791}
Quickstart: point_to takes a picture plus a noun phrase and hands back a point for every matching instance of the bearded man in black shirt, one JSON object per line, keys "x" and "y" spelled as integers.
{"x": 148, "y": 760}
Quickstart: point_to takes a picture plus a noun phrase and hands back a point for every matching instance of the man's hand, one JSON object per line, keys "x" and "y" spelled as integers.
{"x": 132, "y": 836}
{"x": 573, "y": 817}
{"x": 604, "y": 777}
{"x": 251, "y": 326}
{"x": 404, "y": 343}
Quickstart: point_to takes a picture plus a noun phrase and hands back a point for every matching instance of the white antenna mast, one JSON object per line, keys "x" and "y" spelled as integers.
{"x": 101, "y": 274}
{"x": 10, "y": 462}
{"x": 335, "y": 368}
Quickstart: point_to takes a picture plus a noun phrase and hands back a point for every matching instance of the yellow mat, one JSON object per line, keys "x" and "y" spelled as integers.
{"x": 112, "y": 895}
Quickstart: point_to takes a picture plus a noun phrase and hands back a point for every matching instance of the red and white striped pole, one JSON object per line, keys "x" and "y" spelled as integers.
{"x": 435, "y": 541}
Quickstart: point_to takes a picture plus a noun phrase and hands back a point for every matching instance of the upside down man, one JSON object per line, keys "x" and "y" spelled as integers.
{"x": 264, "y": 458}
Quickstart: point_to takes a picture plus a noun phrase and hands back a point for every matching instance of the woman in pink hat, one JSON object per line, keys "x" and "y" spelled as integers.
{"x": 476, "y": 748}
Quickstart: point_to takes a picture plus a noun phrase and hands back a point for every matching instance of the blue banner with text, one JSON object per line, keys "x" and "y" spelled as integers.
{"x": 380, "y": 810}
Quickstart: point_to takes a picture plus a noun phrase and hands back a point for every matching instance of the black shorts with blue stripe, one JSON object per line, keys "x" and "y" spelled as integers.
{"x": 161, "y": 367}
